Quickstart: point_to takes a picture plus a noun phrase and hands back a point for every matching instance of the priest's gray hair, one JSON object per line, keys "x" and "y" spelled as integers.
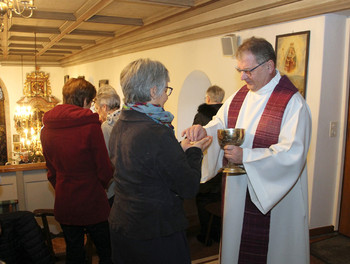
{"x": 107, "y": 95}
{"x": 139, "y": 76}
{"x": 259, "y": 47}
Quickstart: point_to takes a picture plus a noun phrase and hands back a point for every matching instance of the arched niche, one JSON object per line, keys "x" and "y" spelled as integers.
{"x": 191, "y": 96}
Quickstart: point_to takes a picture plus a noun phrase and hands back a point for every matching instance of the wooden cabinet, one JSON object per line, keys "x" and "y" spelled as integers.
{"x": 28, "y": 184}
{"x": 8, "y": 187}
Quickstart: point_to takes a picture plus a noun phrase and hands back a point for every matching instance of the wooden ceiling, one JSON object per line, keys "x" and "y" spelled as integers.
{"x": 70, "y": 32}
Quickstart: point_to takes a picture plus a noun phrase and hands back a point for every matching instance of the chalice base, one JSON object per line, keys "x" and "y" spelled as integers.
{"x": 236, "y": 170}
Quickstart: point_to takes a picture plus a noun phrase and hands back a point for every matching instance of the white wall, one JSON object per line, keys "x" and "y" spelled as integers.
{"x": 326, "y": 176}
{"x": 191, "y": 96}
{"x": 326, "y": 90}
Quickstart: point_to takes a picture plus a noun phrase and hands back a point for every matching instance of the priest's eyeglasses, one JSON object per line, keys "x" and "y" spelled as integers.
{"x": 168, "y": 90}
{"x": 248, "y": 72}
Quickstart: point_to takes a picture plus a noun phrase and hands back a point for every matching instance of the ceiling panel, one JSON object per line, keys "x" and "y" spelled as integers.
{"x": 99, "y": 26}
{"x": 65, "y": 6}
{"x": 70, "y": 32}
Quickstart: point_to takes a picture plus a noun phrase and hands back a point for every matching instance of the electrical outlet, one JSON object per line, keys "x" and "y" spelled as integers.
{"x": 333, "y": 129}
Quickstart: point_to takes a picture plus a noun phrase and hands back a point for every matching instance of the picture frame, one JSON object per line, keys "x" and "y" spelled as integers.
{"x": 292, "y": 57}
{"x": 16, "y": 138}
{"x": 16, "y": 146}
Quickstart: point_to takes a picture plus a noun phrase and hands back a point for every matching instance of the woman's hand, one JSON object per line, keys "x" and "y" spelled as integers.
{"x": 202, "y": 144}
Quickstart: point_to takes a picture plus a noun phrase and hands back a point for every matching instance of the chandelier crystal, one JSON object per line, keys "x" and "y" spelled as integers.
{"x": 23, "y": 8}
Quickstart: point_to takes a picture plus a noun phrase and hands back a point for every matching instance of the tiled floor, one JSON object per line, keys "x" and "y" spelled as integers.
{"x": 198, "y": 250}
{"x": 206, "y": 255}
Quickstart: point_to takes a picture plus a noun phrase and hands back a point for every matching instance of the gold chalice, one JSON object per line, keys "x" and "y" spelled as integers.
{"x": 232, "y": 136}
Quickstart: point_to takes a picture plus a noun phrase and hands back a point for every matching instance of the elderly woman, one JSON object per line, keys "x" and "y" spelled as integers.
{"x": 79, "y": 170}
{"x": 107, "y": 103}
{"x": 154, "y": 172}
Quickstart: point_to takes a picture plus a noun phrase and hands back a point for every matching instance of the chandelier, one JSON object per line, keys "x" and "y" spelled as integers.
{"x": 23, "y": 8}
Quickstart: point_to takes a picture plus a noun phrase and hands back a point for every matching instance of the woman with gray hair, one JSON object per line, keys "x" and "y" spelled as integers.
{"x": 154, "y": 172}
{"x": 107, "y": 104}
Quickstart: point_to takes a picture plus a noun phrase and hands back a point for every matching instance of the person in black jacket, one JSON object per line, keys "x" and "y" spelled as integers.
{"x": 210, "y": 191}
{"x": 153, "y": 172}
{"x": 213, "y": 101}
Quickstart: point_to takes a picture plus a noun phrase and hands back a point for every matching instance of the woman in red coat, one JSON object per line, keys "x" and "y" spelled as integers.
{"x": 79, "y": 169}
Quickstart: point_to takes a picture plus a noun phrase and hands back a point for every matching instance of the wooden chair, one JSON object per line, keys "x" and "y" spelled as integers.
{"x": 8, "y": 206}
{"x": 53, "y": 240}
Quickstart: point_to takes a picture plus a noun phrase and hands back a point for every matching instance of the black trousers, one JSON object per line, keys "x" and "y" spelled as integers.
{"x": 74, "y": 237}
{"x": 209, "y": 192}
{"x": 172, "y": 249}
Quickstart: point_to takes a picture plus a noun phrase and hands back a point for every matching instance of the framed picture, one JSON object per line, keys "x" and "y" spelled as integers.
{"x": 292, "y": 55}
{"x": 103, "y": 82}
{"x": 16, "y": 146}
{"x": 16, "y": 138}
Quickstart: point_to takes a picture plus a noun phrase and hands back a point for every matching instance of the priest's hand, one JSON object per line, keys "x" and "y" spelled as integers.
{"x": 194, "y": 133}
{"x": 233, "y": 154}
{"x": 203, "y": 144}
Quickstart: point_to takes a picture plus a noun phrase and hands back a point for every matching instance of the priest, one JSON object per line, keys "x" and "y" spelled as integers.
{"x": 265, "y": 211}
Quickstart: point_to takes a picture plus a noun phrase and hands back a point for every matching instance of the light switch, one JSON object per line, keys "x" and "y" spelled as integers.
{"x": 333, "y": 129}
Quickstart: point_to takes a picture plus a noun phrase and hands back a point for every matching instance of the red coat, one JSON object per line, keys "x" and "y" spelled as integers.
{"x": 78, "y": 164}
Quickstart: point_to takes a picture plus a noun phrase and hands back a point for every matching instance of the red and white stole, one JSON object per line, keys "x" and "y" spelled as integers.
{"x": 256, "y": 226}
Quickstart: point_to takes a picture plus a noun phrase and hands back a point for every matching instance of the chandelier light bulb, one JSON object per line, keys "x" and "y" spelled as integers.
{"x": 23, "y": 8}
{"x": 3, "y": 8}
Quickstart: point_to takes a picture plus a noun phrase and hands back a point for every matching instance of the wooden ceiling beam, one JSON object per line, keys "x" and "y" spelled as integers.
{"x": 59, "y": 51}
{"x": 78, "y": 41}
{"x": 116, "y": 20}
{"x": 66, "y": 47}
{"x": 53, "y": 55}
{"x": 176, "y": 3}
{"x": 143, "y": 39}
{"x": 29, "y": 39}
{"x": 50, "y": 15}
{"x": 31, "y": 51}
{"x": 84, "y": 13}
{"x": 34, "y": 29}
{"x": 32, "y": 46}
{"x": 92, "y": 33}
{"x": 205, "y": 15}
{"x": 93, "y": 19}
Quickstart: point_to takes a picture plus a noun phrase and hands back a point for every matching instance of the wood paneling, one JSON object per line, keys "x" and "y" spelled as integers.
{"x": 105, "y": 28}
